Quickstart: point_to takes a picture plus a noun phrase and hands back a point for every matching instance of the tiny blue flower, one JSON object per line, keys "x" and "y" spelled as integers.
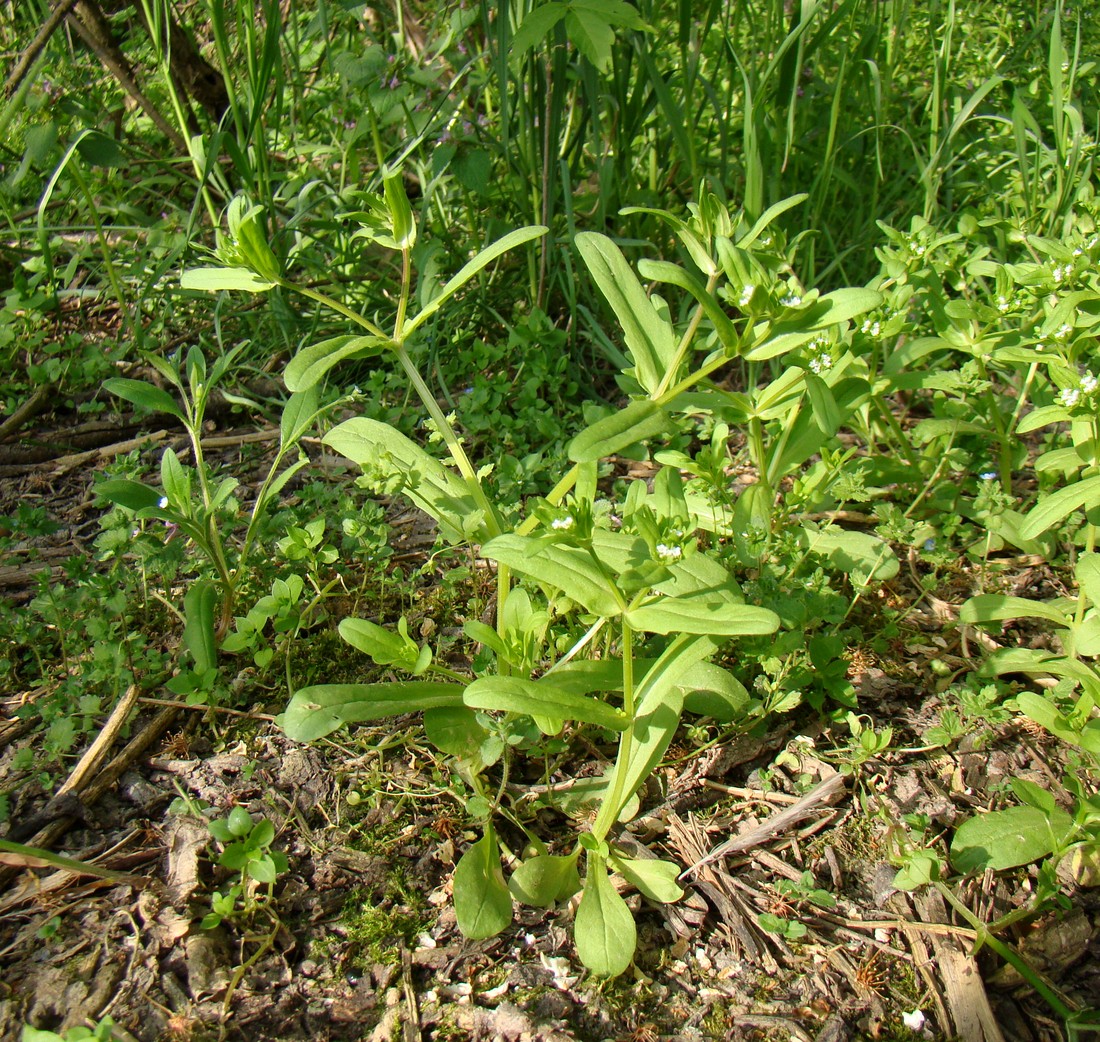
{"x": 929, "y": 545}
{"x": 988, "y": 475}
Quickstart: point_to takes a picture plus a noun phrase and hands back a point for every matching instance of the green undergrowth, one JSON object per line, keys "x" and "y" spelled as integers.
{"x": 631, "y": 378}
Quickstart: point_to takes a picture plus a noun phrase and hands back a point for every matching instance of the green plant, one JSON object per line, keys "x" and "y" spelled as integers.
{"x": 641, "y": 589}
{"x": 246, "y": 851}
{"x": 190, "y": 501}
{"x": 102, "y": 1032}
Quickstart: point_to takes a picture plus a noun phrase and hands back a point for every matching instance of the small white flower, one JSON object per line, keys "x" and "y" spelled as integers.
{"x": 1003, "y": 304}
{"x": 914, "y": 1020}
{"x": 162, "y": 502}
{"x": 1069, "y": 397}
{"x": 562, "y": 524}
{"x": 1040, "y": 346}
{"x": 746, "y": 295}
{"x": 1064, "y": 331}
{"x": 1089, "y": 383}
{"x": 669, "y": 553}
{"x": 821, "y": 364}
{"x": 988, "y": 475}
{"x": 871, "y": 327}
{"x": 1059, "y": 273}
{"x": 1078, "y": 251}
{"x": 792, "y": 300}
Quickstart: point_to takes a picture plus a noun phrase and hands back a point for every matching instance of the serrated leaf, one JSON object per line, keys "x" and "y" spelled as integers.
{"x": 545, "y": 879}
{"x": 1008, "y": 838}
{"x": 320, "y": 709}
{"x": 604, "y": 930}
{"x": 649, "y": 336}
{"x": 155, "y": 399}
{"x": 212, "y": 280}
{"x": 307, "y": 368}
{"x": 534, "y": 28}
{"x": 483, "y": 905}
{"x": 591, "y": 35}
{"x": 540, "y": 699}
{"x": 639, "y": 421}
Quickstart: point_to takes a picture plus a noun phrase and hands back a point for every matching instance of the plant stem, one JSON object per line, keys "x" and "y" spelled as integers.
{"x": 609, "y": 809}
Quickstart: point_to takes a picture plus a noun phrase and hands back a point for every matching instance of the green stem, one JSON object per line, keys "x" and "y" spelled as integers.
{"x": 684, "y": 346}
{"x": 335, "y": 305}
{"x": 612, "y": 803}
{"x": 1009, "y": 954}
{"x": 454, "y": 446}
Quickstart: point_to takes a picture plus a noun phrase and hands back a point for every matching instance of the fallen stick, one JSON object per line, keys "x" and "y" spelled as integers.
{"x": 820, "y": 795}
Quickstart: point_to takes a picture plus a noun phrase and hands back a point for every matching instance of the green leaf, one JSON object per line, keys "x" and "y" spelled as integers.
{"x": 565, "y": 568}
{"x": 708, "y": 611}
{"x": 200, "y": 606}
{"x": 591, "y": 35}
{"x": 710, "y": 690}
{"x": 454, "y": 730}
{"x": 534, "y": 28}
{"x": 657, "y": 716}
{"x": 541, "y": 699}
{"x": 826, "y": 412}
{"x": 1045, "y": 714}
{"x": 306, "y": 369}
{"x": 545, "y": 879}
{"x": 1087, "y": 574}
{"x": 145, "y": 395}
{"x": 604, "y": 929}
{"x": 401, "y": 215}
{"x": 320, "y": 709}
{"x": 132, "y": 495}
{"x": 860, "y": 554}
{"x": 1056, "y": 507}
{"x": 436, "y": 490}
{"x": 483, "y": 905}
{"x": 177, "y": 484}
{"x": 298, "y": 415}
{"x": 656, "y": 879}
{"x": 639, "y": 421}
{"x": 1008, "y": 838}
{"x": 472, "y": 267}
{"x": 384, "y": 646}
{"x": 996, "y": 607}
{"x": 649, "y": 336}
{"x": 212, "y": 280}
{"x": 674, "y": 275}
